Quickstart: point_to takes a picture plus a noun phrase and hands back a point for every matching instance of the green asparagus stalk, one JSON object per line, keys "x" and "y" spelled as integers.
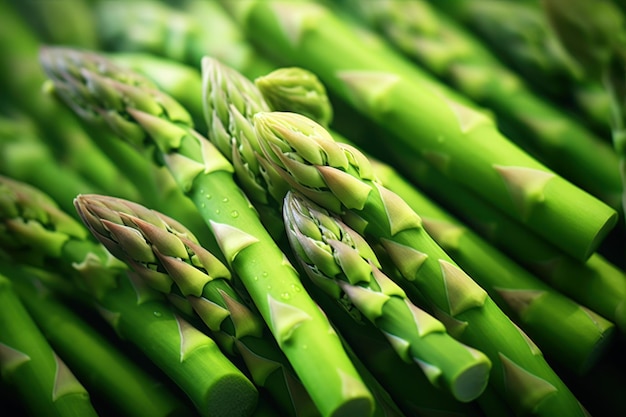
{"x": 25, "y": 156}
{"x": 442, "y": 47}
{"x": 77, "y": 19}
{"x": 34, "y": 229}
{"x": 530, "y": 47}
{"x": 515, "y": 290}
{"x": 596, "y": 284}
{"x": 43, "y": 382}
{"x": 102, "y": 367}
{"x": 168, "y": 258}
{"x": 340, "y": 178}
{"x": 184, "y": 34}
{"x": 341, "y": 262}
{"x": 464, "y": 143}
{"x": 21, "y": 79}
{"x": 592, "y": 32}
{"x": 156, "y": 121}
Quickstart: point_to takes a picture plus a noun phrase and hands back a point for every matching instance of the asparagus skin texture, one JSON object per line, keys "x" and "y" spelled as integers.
{"x": 43, "y": 382}
{"x": 340, "y": 178}
{"x": 101, "y": 366}
{"x": 35, "y": 229}
{"x": 452, "y": 54}
{"x": 168, "y": 257}
{"x": 463, "y": 143}
{"x": 343, "y": 264}
{"x": 155, "y": 121}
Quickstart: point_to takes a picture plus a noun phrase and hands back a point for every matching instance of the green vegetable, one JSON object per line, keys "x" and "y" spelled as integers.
{"x": 169, "y": 259}
{"x": 341, "y": 262}
{"x": 435, "y": 42}
{"x": 34, "y": 230}
{"x": 101, "y": 366}
{"x": 462, "y": 142}
{"x": 155, "y": 121}
{"x": 43, "y": 382}
{"x": 340, "y": 178}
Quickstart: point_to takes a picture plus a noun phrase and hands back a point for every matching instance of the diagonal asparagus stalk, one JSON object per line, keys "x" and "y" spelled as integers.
{"x": 461, "y": 141}
{"x": 592, "y": 32}
{"x": 103, "y": 369}
{"x": 155, "y": 121}
{"x": 168, "y": 258}
{"x": 541, "y": 311}
{"x": 184, "y": 34}
{"x": 341, "y": 262}
{"x": 340, "y": 178}
{"x": 29, "y": 365}
{"x": 21, "y": 79}
{"x": 435, "y": 42}
{"x": 34, "y": 229}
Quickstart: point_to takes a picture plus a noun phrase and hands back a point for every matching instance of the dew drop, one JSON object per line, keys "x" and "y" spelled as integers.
{"x": 256, "y": 278}
{"x": 225, "y": 200}
{"x": 269, "y": 287}
{"x": 264, "y": 273}
{"x": 234, "y": 214}
{"x": 217, "y": 211}
{"x": 157, "y": 314}
{"x": 208, "y": 196}
{"x": 296, "y": 288}
{"x": 202, "y": 205}
{"x": 285, "y": 296}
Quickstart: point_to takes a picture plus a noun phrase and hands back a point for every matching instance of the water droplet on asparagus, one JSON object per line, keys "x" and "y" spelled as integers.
{"x": 234, "y": 214}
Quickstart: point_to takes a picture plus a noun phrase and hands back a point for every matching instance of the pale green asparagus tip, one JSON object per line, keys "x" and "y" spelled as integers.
{"x": 31, "y": 219}
{"x": 298, "y": 90}
{"x": 158, "y": 248}
{"x": 97, "y": 89}
{"x": 330, "y": 173}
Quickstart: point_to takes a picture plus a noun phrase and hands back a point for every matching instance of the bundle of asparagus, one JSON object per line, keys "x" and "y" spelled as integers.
{"x": 283, "y": 214}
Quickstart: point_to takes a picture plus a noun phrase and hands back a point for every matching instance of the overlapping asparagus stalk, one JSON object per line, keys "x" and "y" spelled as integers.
{"x": 530, "y": 47}
{"x": 460, "y": 141}
{"x": 22, "y": 79}
{"x": 593, "y": 34}
{"x": 103, "y": 369}
{"x": 157, "y": 122}
{"x": 517, "y": 292}
{"x": 341, "y": 262}
{"x": 341, "y": 179}
{"x": 452, "y": 54}
{"x": 34, "y": 230}
{"x": 185, "y": 34}
{"x": 40, "y": 378}
{"x": 168, "y": 258}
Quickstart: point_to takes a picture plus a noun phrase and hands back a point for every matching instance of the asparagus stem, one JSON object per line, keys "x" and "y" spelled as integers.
{"x": 44, "y": 383}
{"x": 100, "y": 365}
{"x": 464, "y": 143}
{"x": 32, "y": 225}
{"x": 185, "y": 34}
{"x": 168, "y": 258}
{"x": 22, "y": 79}
{"x": 596, "y": 284}
{"x": 341, "y": 262}
{"x": 434, "y": 41}
{"x": 341, "y": 179}
{"x": 297, "y": 324}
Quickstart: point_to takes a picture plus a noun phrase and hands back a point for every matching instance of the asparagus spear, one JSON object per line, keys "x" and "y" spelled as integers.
{"x": 596, "y": 284}
{"x": 168, "y": 257}
{"x": 184, "y": 35}
{"x": 32, "y": 227}
{"x": 434, "y": 41}
{"x": 465, "y": 144}
{"x": 593, "y": 32}
{"x": 340, "y": 178}
{"x": 101, "y": 366}
{"x": 341, "y": 262}
{"x": 300, "y": 328}
{"x": 530, "y": 47}
{"x": 21, "y": 79}
{"x": 43, "y": 382}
